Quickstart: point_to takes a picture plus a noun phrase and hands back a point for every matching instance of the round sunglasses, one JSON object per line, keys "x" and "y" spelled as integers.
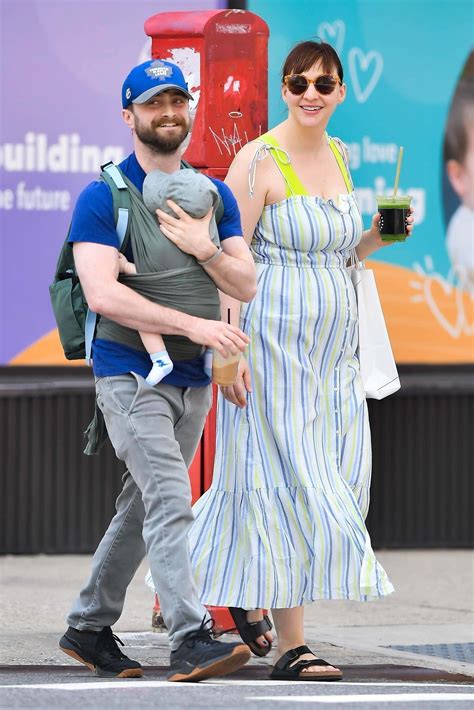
{"x": 324, "y": 84}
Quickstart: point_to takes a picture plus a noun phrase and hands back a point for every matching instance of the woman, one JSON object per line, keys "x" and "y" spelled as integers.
{"x": 283, "y": 523}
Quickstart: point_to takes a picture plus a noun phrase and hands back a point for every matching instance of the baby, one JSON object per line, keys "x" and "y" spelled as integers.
{"x": 195, "y": 194}
{"x": 459, "y": 161}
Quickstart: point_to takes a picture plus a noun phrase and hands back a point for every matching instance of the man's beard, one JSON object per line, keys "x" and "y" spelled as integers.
{"x": 159, "y": 143}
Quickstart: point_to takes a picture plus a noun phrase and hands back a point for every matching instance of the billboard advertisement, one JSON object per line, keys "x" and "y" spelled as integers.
{"x": 408, "y": 67}
{"x": 406, "y": 64}
{"x": 63, "y": 63}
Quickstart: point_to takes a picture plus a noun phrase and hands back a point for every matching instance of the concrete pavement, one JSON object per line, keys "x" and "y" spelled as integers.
{"x": 432, "y": 607}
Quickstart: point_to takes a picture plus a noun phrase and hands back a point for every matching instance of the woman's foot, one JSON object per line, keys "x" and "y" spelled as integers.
{"x": 300, "y": 663}
{"x": 295, "y": 660}
{"x": 316, "y": 668}
{"x": 254, "y": 628}
{"x": 267, "y": 638}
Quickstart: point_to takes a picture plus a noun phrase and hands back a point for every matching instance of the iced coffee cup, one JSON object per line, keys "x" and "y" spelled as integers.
{"x": 224, "y": 369}
{"x": 394, "y": 211}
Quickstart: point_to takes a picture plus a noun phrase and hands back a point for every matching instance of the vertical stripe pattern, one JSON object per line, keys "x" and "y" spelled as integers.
{"x": 283, "y": 522}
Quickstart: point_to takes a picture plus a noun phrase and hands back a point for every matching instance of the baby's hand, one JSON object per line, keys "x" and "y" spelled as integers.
{"x": 126, "y": 266}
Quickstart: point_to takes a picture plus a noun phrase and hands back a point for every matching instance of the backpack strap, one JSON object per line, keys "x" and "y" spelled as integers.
{"x": 89, "y": 330}
{"x": 112, "y": 175}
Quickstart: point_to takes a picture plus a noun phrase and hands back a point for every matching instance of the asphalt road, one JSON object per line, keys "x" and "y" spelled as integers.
{"x": 67, "y": 688}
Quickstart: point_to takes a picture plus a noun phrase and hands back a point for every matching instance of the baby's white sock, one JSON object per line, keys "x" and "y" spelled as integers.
{"x": 162, "y": 366}
{"x": 208, "y": 362}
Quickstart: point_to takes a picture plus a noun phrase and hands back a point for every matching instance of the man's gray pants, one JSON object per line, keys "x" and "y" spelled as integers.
{"x": 155, "y": 431}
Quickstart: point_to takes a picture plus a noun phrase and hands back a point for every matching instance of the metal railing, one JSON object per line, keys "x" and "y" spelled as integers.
{"x": 53, "y": 499}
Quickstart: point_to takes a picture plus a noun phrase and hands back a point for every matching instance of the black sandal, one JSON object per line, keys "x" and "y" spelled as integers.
{"x": 283, "y": 670}
{"x": 251, "y": 630}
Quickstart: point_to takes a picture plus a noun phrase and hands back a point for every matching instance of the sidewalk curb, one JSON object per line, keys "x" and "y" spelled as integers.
{"x": 434, "y": 662}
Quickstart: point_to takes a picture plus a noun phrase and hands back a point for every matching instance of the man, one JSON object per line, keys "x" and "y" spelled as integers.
{"x": 154, "y": 430}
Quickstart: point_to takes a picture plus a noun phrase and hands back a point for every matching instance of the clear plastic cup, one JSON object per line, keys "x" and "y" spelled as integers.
{"x": 224, "y": 369}
{"x": 393, "y": 215}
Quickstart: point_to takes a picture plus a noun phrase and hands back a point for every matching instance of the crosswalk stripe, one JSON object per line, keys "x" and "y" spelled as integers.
{"x": 124, "y": 683}
{"x": 377, "y": 698}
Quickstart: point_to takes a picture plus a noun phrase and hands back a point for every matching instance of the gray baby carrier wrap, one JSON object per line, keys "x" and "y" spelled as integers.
{"x": 165, "y": 274}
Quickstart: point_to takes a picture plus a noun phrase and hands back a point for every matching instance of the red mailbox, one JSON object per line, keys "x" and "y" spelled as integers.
{"x": 224, "y": 57}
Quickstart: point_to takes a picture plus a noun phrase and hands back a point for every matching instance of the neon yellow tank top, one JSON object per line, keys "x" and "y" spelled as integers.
{"x": 294, "y": 186}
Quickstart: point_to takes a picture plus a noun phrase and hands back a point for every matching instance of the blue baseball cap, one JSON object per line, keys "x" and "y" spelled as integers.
{"x": 151, "y": 78}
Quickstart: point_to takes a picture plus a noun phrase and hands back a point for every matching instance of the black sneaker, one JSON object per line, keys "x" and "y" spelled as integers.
{"x": 200, "y": 656}
{"x": 99, "y": 652}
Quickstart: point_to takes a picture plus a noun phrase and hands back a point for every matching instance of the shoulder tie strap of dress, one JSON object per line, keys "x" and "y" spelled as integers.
{"x": 282, "y": 160}
{"x": 340, "y": 154}
{"x": 267, "y": 144}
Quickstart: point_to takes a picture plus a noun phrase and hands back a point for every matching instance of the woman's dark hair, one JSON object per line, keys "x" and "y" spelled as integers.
{"x": 305, "y": 54}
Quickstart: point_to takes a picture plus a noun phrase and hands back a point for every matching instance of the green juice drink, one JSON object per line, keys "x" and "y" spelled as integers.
{"x": 393, "y": 215}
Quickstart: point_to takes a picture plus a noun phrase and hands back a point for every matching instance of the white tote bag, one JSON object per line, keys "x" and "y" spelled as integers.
{"x": 377, "y": 364}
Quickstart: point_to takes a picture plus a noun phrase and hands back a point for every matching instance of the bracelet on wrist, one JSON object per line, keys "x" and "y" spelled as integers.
{"x": 211, "y": 258}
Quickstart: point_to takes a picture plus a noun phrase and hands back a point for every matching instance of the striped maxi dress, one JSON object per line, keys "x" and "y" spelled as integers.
{"x": 283, "y": 521}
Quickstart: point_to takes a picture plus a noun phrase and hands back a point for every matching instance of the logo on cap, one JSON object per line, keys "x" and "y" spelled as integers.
{"x": 158, "y": 70}
{"x": 150, "y": 78}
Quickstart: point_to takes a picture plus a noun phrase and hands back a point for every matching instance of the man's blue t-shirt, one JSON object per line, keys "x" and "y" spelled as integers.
{"x": 93, "y": 221}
